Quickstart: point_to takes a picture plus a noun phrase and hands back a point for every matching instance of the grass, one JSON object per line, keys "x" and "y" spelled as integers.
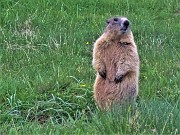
{"x": 46, "y": 76}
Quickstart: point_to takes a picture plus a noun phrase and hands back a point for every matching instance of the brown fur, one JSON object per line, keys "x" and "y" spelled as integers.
{"x": 115, "y": 55}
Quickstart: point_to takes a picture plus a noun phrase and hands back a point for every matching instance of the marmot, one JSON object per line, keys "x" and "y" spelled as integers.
{"x": 116, "y": 60}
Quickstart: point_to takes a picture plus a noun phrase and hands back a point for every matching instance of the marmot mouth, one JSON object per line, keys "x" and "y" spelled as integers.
{"x": 123, "y": 29}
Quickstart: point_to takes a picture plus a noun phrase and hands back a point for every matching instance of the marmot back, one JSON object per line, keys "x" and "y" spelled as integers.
{"x": 116, "y": 60}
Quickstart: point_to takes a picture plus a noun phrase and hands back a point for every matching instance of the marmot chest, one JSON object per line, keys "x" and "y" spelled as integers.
{"x": 113, "y": 54}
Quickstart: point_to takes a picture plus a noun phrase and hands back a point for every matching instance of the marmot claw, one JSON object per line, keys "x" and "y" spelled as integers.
{"x": 103, "y": 74}
{"x": 119, "y": 79}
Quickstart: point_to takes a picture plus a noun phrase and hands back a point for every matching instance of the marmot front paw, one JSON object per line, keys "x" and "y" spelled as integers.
{"x": 103, "y": 74}
{"x": 119, "y": 79}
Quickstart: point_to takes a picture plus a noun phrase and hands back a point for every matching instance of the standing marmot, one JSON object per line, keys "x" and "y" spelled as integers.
{"x": 116, "y": 60}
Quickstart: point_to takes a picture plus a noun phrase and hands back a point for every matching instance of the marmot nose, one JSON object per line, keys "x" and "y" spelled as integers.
{"x": 126, "y": 23}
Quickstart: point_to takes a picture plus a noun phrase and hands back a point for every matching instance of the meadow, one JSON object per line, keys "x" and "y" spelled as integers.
{"x": 46, "y": 74}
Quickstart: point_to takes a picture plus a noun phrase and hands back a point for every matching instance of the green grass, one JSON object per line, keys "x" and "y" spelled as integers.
{"x": 46, "y": 75}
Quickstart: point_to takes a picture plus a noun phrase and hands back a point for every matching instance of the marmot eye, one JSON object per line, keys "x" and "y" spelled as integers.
{"x": 115, "y": 19}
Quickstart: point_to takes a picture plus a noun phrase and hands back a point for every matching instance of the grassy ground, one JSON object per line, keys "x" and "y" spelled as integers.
{"x": 46, "y": 76}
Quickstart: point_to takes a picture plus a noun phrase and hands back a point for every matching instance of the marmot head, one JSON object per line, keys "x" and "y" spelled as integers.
{"x": 117, "y": 26}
